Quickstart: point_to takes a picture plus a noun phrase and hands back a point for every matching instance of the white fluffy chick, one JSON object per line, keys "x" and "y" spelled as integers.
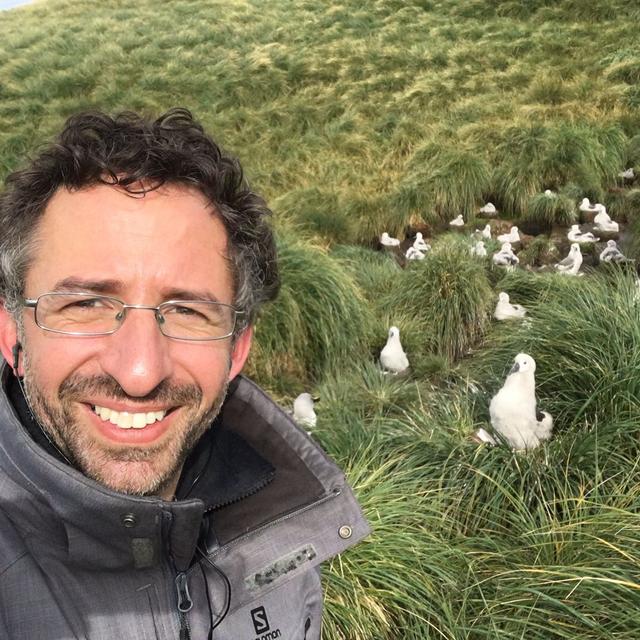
{"x": 392, "y": 357}
{"x": 513, "y": 409}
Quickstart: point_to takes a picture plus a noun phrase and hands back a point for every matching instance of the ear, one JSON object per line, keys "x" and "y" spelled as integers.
{"x": 8, "y": 334}
{"x": 240, "y": 352}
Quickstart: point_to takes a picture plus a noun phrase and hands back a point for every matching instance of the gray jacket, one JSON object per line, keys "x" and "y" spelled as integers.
{"x": 78, "y": 561}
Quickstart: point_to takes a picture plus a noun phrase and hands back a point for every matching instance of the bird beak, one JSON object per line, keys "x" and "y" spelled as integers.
{"x": 515, "y": 368}
{"x": 315, "y": 398}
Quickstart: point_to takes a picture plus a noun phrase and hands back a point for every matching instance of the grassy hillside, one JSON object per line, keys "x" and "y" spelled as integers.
{"x": 355, "y": 118}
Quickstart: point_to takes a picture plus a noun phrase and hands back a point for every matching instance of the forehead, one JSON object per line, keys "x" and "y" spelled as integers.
{"x": 170, "y": 238}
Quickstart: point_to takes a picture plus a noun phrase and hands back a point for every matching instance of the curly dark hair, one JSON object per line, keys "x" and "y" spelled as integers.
{"x": 139, "y": 155}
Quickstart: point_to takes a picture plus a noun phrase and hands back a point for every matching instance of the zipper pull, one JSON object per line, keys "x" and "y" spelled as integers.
{"x": 185, "y": 604}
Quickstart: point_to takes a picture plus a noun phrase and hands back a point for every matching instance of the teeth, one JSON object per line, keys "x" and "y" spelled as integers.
{"x": 126, "y": 420}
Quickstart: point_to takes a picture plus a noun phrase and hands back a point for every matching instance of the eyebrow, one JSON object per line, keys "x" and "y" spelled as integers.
{"x": 113, "y": 287}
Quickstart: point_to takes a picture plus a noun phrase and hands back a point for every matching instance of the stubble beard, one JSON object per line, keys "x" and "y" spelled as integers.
{"x": 136, "y": 470}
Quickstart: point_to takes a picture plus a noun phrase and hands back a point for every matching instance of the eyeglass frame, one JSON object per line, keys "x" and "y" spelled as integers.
{"x": 32, "y": 303}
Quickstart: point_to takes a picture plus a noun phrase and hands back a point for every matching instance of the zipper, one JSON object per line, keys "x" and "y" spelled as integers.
{"x": 250, "y": 492}
{"x": 335, "y": 492}
{"x": 185, "y": 604}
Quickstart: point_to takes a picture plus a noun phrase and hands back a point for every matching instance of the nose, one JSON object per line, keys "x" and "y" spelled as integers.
{"x": 137, "y": 355}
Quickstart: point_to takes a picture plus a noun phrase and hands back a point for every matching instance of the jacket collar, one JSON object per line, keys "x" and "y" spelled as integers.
{"x": 221, "y": 469}
{"x": 79, "y": 521}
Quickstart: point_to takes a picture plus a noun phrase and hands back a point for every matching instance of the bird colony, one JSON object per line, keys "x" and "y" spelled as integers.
{"x": 515, "y": 420}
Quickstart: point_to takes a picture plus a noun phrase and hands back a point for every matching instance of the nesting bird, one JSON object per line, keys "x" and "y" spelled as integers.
{"x": 627, "y": 174}
{"x": 387, "y": 241}
{"x": 458, "y": 221}
{"x": 392, "y": 357}
{"x": 587, "y": 207}
{"x": 611, "y": 253}
{"x": 413, "y": 254}
{"x": 575, "y": 235}
{"x": 505, "y": 257}
{"x": 303, "y": 410}
{"x": 507, "y": 311}
{"x": 419, "y": 244}
{"x": 512, "y": 236}
{"x": 489, "y": 209}
{"x": 571, "y": 264}
{"x": 603, "y": 222}
{"x": 513, "y": 409}
{"x": 549, "y": 193}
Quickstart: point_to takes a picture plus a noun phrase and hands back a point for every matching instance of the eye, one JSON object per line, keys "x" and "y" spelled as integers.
{"x": 180, "y": 310}
{"x": 84, "y": 304}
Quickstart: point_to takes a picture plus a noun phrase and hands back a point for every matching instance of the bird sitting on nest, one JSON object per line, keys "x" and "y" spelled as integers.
{"x": 420, "y": 245}
{"x": 488, "y": 209}
{"x": 513, "y": 409}
{"x": 505, "y": 257}
{"x": 603, "y": 222}
{"x": 575, "y": 235}
{"x": 507, "y": 311}
{"x": 387, "y": 241}
{"x": 457, "y": 222}
{"x": 512, "y": 236}
{"x": 413, "y": 254}
{"x": 587, "y": 207}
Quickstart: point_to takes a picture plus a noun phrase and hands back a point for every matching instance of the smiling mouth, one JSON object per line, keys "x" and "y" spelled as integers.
{"x": 126, "y": 420}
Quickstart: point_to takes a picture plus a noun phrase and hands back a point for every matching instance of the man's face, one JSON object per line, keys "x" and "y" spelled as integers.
{"x": 143, "y": 250}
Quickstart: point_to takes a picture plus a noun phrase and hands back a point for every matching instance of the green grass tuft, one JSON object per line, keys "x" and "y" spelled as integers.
{"x": 449, "y": 295}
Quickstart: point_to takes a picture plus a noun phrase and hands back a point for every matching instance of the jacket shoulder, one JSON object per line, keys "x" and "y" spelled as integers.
{"x": 12, "y": 546}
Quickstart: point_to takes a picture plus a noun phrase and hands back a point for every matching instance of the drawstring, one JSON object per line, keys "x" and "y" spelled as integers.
{"x": 227, "y": 584}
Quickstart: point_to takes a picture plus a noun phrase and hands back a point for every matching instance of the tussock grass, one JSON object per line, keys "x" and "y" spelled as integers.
{"x": 320, "y": 320}
{"x": 449, "y": 295}
{"x": 545, "y": 211}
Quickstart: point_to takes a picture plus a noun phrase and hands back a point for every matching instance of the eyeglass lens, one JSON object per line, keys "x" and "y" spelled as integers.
{"x": 83, "y": 314}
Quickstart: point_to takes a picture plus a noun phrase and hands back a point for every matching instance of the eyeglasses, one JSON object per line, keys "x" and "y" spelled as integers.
{"x": 86, "y": 314}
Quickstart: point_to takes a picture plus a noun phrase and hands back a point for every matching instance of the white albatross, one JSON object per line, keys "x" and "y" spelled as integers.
{"x": 392, "y": 357}
{"x": 419, "y": 244}
{"x": 571, "y": 264}
{"x": 505, "y": 257}
{"x": 513, "y": 409}
{"x": 303, "y": 410}
{"x": 507, "y": 311}
{"x": 387, "y": 241}
{"x": 512, "y": 236}
{"x": 603, "y": 222}
{"x": 575, "y": 235}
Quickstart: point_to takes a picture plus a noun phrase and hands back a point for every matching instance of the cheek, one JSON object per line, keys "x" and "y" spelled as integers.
{"x": 208, "y": 369}
{"x": 50, "y": 360}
